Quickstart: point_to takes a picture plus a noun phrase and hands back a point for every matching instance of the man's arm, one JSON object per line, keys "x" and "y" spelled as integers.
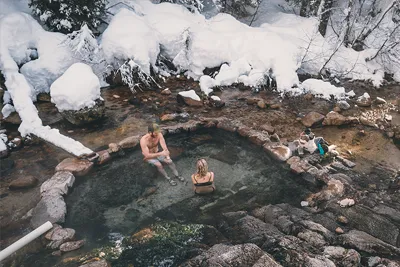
{"x": 163, "y": 143}
{"x": 146, "y": 152}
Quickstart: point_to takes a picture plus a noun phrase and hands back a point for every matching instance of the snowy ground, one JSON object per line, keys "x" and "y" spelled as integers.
{"x": 278, "y": 45}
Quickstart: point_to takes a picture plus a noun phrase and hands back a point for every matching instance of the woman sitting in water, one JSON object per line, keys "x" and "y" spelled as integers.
{"x": 203, "y": 180}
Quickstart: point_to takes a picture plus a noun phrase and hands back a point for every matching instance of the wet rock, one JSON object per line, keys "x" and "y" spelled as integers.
{"x": 166, "y": 91}
{"x": 23, "y": 182}
{"x": 374, "y": 261}
{"x": 59, "y": 236}
{"x": 364, "y": 100}
{"x": 314, "y": 239}
{"x": 334, "y": 118}
{"x": 334, "y": 188}
{"x": 266, "y": 260}
{"x": 104, "y": 157}
{"x": 168, "y": 117}
{"x": 56, "y": 253}
{"x": 227, "y": 125}
{"x": 253, "y": 100}
{"x": 14, "y": 118}
{"x": 85, "y": 115}
{"x": 259, "y": 138}
{"x": 341, "y": 219}
{"x": 44, "y": 97}
{"x": 318, "y": 262}
{"x": 343, "y": 105}
{"x": 70, "y": 246}
{"x": 98, "y": 263}
{"x": 339, "y": 231}
{"x": 50, "y": 233}
{"x": 312, "y": 119}
{"x": 339, "y": 166}
{"x": 275, "y": 138}
{"x": 50, "y": 208}
{"x": 376, "y": 225}
{"x": 261, "y": 104}
{"x": 279, "y": 152}
{"x": 130, "y": 142}
{"x": 224, "y": 255}
{"x": 380, "y": 101}
{"x": 59, "y": 183}
{"x": 188, "y": 101}
{"x": 113, "y": 148}
{"x": 346, "y": 162}
{"x": 342, "y": 256}
{"x": 300, "y": 167}
{"x": 77, "y": 167}
{"x": 364, "y": 242}
{"x": 267, "y": 128}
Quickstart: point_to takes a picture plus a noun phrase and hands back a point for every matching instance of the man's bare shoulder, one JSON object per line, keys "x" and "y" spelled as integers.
{"x": 143, "y": 138}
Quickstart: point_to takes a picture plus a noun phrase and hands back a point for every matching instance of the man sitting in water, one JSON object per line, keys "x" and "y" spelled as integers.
{"x": 149, "y": 145}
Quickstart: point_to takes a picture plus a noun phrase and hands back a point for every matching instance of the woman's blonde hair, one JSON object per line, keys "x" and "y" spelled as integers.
{"x": 202, "y": 168}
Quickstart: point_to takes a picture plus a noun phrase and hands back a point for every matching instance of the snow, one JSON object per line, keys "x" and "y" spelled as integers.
{"x": 7, "y": 110}
{"x": 216, "y": 98}
{"x": 323, "y": 89}
{"x": 10, "y": 6}
{"x": 191, "y": 94}
{"x": 76, "y": 89}
{"x": 3, "y": 146}
{"x": 19, "y": 32}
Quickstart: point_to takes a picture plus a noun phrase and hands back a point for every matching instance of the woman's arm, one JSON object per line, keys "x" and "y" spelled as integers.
{"x": 212, "y": 177}
{"x": 193, "y": 180}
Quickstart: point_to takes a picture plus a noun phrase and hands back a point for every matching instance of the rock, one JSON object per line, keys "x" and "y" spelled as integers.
{"x": 59, "y": 183}
{"x": 275, "y": 106}
{"x": 379, "y": 101}
{"x": 130, "y": 142}
{"x": 253, "y": 100}
{"x": 334, "y": 188}
{"x": 4, "y": 153}
{"x": 50, "y": 233}
{"x": 364, "y": 242}
{"x": 50, "y": 208}
{"x": 238, "y": 255}
{"x": 300, "y": 167}
{"x": 168, "y": 117}
{"x": 374, "y": 261}
{"x": 245, "y": 131}
{"x": 341, "y": 219}
{"x": 261, "y": 104}
{"x": 293, "y": 159}
{"x": 227, "y": 125}
{"x": 279, "y": 152}
{"x": 366, "y": 122}
{"x": 43, "y": 97}
{"x": 342, "y": 256}
{"x": 188, "y": 101}
{"x": 334, "y": 118}
{"x": 59, "y": 236}
{"x": 166, "y": 91}
{"x": 267, "y": 128}
{"x": 313, "y": 238}
{"x": 217, "y": 103}
{"x": 312, "y": 119}
{"x": 13, "y": 118}
{"x": 318, "y": 262}
{"x": 259, "y": 138}
{"x": 339, "y": 231}
{"x": 104, "y": 157}
{"x": 113, "y": 148}
{"x": 364, "y": 100}
{"x": 6, "y": 166}
{"x": 343, "y": 105}
{"x": 388, "y": 117}
{"x": 304, "y": 203}
{"x": 85, "y": 115}
{"x": 78, "y": 167}
{"x": 24, "y": 182}
{"x": 346, "y": 162}
{"x": 347, "y": 202}
{"x": 339, "y": 166}
{"x": 308, "y": 96}
{"x": 70, "y": 246}
{"x": 337, "y": 109}
{"x": 56, "y": 253}
{"x": 275, "y": 138}
{"x": 98, "y": 263}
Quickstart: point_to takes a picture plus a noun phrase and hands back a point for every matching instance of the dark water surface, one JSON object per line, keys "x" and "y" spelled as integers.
{"x": 104, "y": 206}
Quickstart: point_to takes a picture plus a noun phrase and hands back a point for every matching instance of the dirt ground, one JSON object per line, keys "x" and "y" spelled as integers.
{"x": 127, "y": 116}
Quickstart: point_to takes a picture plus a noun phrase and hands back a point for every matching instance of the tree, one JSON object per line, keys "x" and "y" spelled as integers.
{"x": 68, "y": 15}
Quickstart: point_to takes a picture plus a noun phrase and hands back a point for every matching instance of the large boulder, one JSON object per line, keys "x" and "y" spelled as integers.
{"x": 85, "y": 115}
{"x": 239, "y": 255}
{"x": 364, "y": 100}
{"x": 311, "y": 119}
{"x": 78, "y": 167}
{"x": 58, "y": 183}
{"x": 50, "y": 208}
{"x": 278, "y": 152}
{"x": 334, "y": 118}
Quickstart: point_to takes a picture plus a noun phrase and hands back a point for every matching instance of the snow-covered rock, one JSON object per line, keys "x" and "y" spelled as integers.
{"x": 323, "y": 89}
{"x": 76, "y": 89}
{"x": 190, "y": 98}
{"x": 364, "y": 100}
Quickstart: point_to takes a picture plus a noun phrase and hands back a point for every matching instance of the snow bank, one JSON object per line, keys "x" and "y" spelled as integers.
{"x": 323, "y": 89}
{"x": 19, "y": 33}
{"x": 191, "y": 94}
{"x": 130, "y": 37}
{"x": 77, "y": 88}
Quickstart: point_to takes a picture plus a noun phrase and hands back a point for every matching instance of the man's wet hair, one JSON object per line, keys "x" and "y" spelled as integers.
{"x": 153, "y": 127}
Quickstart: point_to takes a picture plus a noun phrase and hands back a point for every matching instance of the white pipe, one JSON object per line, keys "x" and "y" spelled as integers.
{"x": 25, "y": 240}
